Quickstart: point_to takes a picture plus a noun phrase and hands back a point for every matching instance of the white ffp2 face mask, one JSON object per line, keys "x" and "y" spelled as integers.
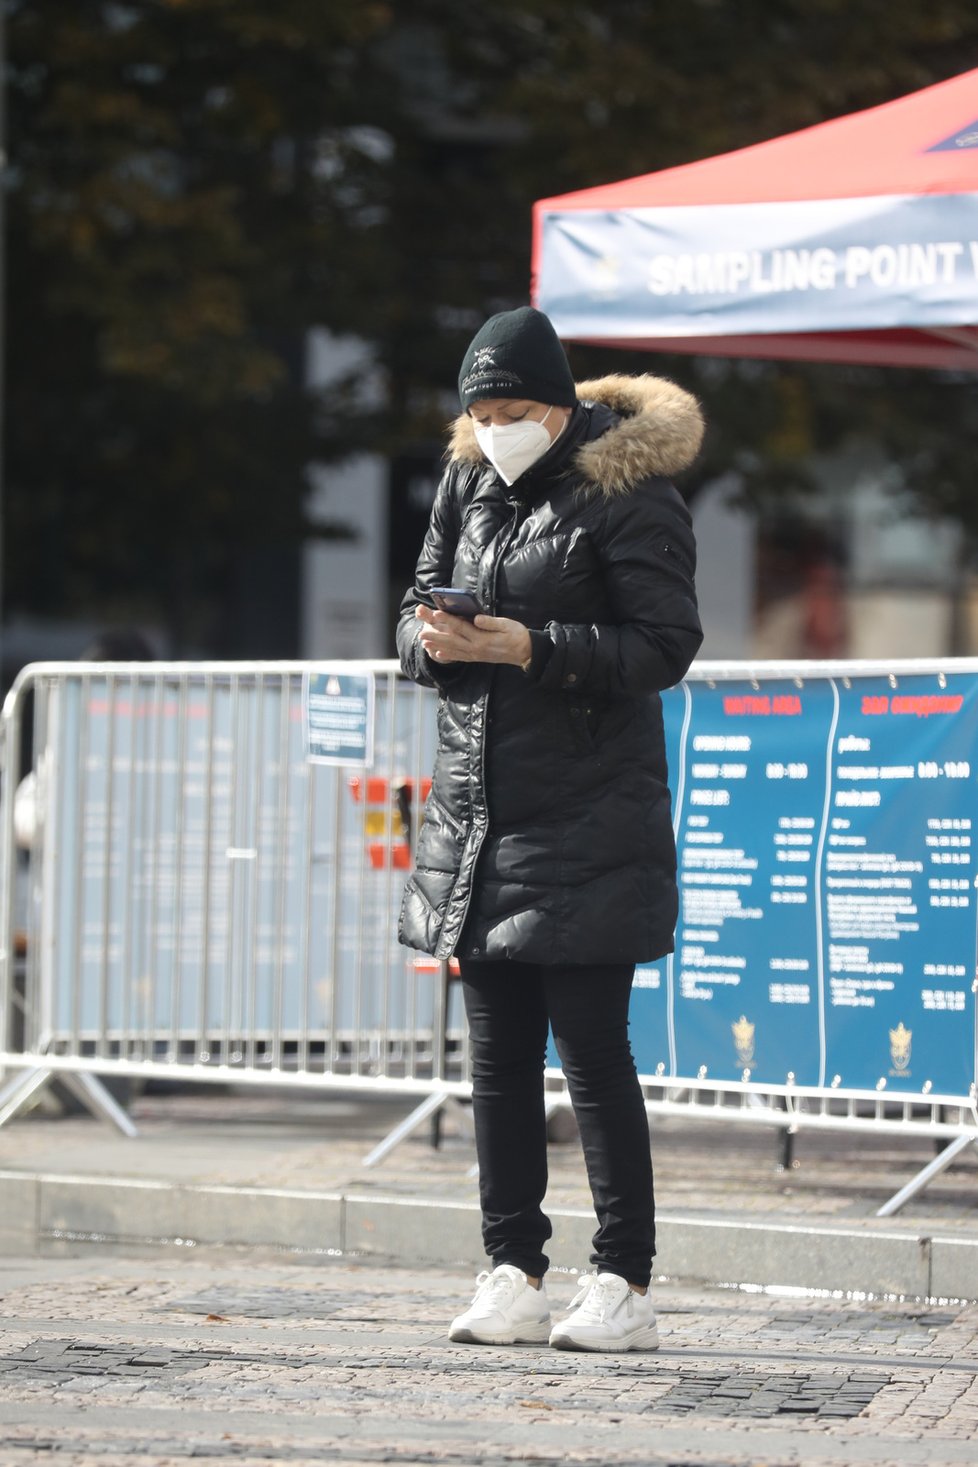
{"x": 514, "y": 447}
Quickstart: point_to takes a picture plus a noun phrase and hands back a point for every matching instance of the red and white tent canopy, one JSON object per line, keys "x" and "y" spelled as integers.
{"x": 852, "y": 241}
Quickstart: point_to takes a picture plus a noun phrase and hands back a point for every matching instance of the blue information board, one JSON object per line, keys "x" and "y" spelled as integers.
{"x": 827, "y": 920}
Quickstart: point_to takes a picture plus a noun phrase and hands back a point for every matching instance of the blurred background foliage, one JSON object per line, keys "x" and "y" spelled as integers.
{"x": 192, "y": 184}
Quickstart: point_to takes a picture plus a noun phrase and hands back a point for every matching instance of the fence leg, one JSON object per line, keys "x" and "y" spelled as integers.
{"x": 93, "y": 1094}
{"x": 919, "y": 1182}
{"x": 418, "y": 1116}
{"x": 14, "y": 1097}
{"x": 787, "y": 1150}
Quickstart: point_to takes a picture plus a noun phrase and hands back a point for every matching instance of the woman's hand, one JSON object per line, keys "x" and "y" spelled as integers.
{"x": 448, "y": 638}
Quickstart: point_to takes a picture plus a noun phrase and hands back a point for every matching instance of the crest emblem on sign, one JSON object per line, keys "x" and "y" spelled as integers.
{"x": 900, "y": 1038}
{"x": 743, "y": 1035}
{"x": 333, "y": 687}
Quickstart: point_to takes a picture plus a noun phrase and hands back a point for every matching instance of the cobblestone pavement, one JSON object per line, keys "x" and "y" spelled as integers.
{"x": 126, "y": 1361}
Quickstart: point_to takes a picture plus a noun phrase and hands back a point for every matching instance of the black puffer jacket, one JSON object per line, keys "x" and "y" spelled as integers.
{"x": 548, "y": 832}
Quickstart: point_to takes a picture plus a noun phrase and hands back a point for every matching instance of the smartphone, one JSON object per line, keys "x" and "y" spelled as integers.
{"x": 456, "y": 602}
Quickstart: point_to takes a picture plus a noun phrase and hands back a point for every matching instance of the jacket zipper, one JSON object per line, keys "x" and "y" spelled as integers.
{"x": 513, "y": 525}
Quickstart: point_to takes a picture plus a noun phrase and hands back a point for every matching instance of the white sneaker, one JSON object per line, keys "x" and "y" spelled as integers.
{"x": 606, "y": 1314}
{"x": 506, "y": 1310}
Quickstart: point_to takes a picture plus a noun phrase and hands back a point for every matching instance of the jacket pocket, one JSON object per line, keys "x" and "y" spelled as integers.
{"x": 674, "y": 555}
{"x": 582, "y": 719}
{"x": 442, "y": 835}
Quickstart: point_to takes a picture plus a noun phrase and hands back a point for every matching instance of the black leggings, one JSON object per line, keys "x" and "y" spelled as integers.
{"x": 509, "y": 1005}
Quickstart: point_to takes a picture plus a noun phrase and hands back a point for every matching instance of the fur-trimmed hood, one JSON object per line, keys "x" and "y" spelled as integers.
{"x": 659, "y": 432}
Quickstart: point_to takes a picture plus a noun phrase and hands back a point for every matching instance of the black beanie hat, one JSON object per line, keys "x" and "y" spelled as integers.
{"x": 517, "y": 354}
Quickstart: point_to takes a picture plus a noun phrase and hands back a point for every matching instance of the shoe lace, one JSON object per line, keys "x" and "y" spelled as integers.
{"x": 597, "y": 1297}
{"x": 489, "y": 1284}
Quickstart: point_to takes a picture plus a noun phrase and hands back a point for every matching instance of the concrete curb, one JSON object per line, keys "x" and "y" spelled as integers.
{"x": 54, "y": 1214}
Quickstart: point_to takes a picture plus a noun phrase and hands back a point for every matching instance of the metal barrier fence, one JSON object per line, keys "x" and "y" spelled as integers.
{"x": 184, "y": 895}
{"x": 196, "y": 898}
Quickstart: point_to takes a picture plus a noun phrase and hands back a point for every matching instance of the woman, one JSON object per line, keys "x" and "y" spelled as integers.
{"x": 546, "y": 861}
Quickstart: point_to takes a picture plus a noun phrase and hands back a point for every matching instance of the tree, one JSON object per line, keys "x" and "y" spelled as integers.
{"x": 173, "y": 224}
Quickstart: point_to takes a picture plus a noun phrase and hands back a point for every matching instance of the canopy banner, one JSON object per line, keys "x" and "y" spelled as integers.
{"x": 747, "y": 269}
{"x": 827, "y": 929}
